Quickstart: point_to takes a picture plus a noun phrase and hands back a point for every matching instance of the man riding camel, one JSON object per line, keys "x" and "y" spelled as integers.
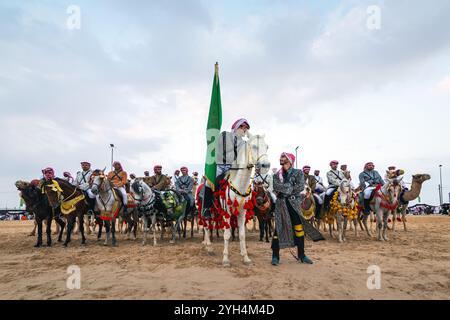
{"x": 159, "y": 181}
{"x": 184, "y": 185}
{"x": 334, "y": 177}
{"x": 229, "y": 146}
{"x": 368, "y": 180}
{"x": 119, "y": 178}
{"x": 83, "y": 181}
{"x": 288, "y": 183}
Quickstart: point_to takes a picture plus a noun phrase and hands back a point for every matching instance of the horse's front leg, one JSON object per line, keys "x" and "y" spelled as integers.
{"x": 39, "y": 231}
{"x": 100, "y": 228}
{"x": 379, "y": 224}
{"x": 71, "y": 220}
{"x": 241, "y": 230}
{"x": 261, "y": 228}
{"x": 49, "y": 231}
{"x": 344, "y": 229}
{"x": 81, "y": 223}
{"x": 339, "y": 222}
{"x": 394, "y": 217}
{"x": 113, "y": 233}
{"x": 144, "y": 233}
{"x": 107, "y": 231}
{"x": 173, "y": 231}
{"x": 365, "y": 219}
{"x": 226, "y": 241}
{"x": 154, "y": 228}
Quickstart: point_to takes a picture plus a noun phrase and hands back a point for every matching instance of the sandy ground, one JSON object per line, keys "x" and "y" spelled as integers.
{"x": 414, "y": 265}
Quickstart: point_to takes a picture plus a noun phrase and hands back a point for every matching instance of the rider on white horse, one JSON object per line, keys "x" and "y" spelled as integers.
{"x": 368, "y": 180}
{"x": 334, "y": 177}
{"x": 229, "y": 146}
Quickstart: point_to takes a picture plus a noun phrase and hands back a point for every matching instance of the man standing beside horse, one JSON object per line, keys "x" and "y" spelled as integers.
{"x": 288, "y": 183}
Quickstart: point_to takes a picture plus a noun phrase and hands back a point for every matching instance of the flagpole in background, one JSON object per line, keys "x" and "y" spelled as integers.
{"x": 212, "y": 133}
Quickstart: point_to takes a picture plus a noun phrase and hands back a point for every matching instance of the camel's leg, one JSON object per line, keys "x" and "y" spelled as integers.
{"x": 404, "y": 218}
{"x": 226, "y": 241}
{"x": 355, "y": 223}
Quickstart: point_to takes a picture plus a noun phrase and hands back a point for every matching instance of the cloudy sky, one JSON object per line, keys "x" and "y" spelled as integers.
{"x": 314, "y": 74}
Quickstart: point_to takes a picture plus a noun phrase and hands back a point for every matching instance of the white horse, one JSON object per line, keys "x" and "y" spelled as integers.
{"x": 145, "y": 200}
{"x": 239, "y": 189}
{"x": 109, "y": 203}
{"x": 385, "y": 200}
{"x": 345, "y": 208}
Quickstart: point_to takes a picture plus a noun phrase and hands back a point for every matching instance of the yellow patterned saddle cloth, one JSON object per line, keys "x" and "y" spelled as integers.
{"x": 67, "y": 207}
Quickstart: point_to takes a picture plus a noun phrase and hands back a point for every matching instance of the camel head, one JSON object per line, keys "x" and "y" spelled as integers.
{"x": 21, "y": 185}
{"x": 421, "y": 178}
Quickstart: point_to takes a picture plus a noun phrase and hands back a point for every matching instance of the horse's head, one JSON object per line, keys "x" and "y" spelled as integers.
{"x": 258, "y": 188}
{"x": 28, "y": 191}
{"x": 140, "y": 190}
{"x": 258, "y": 153}
{"x": 54, "y": 192}
{"x": 346, "y": 193}
{"x": 345, "y": 187}
{"x": 98, "y": 178}
{"x": 392, "y": 189}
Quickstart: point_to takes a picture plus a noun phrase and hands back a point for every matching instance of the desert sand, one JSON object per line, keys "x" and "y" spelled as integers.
{"x": 414, "y": 265}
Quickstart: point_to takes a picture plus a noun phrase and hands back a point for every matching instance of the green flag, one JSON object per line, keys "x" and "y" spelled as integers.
{"x": 213, "y": 130}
